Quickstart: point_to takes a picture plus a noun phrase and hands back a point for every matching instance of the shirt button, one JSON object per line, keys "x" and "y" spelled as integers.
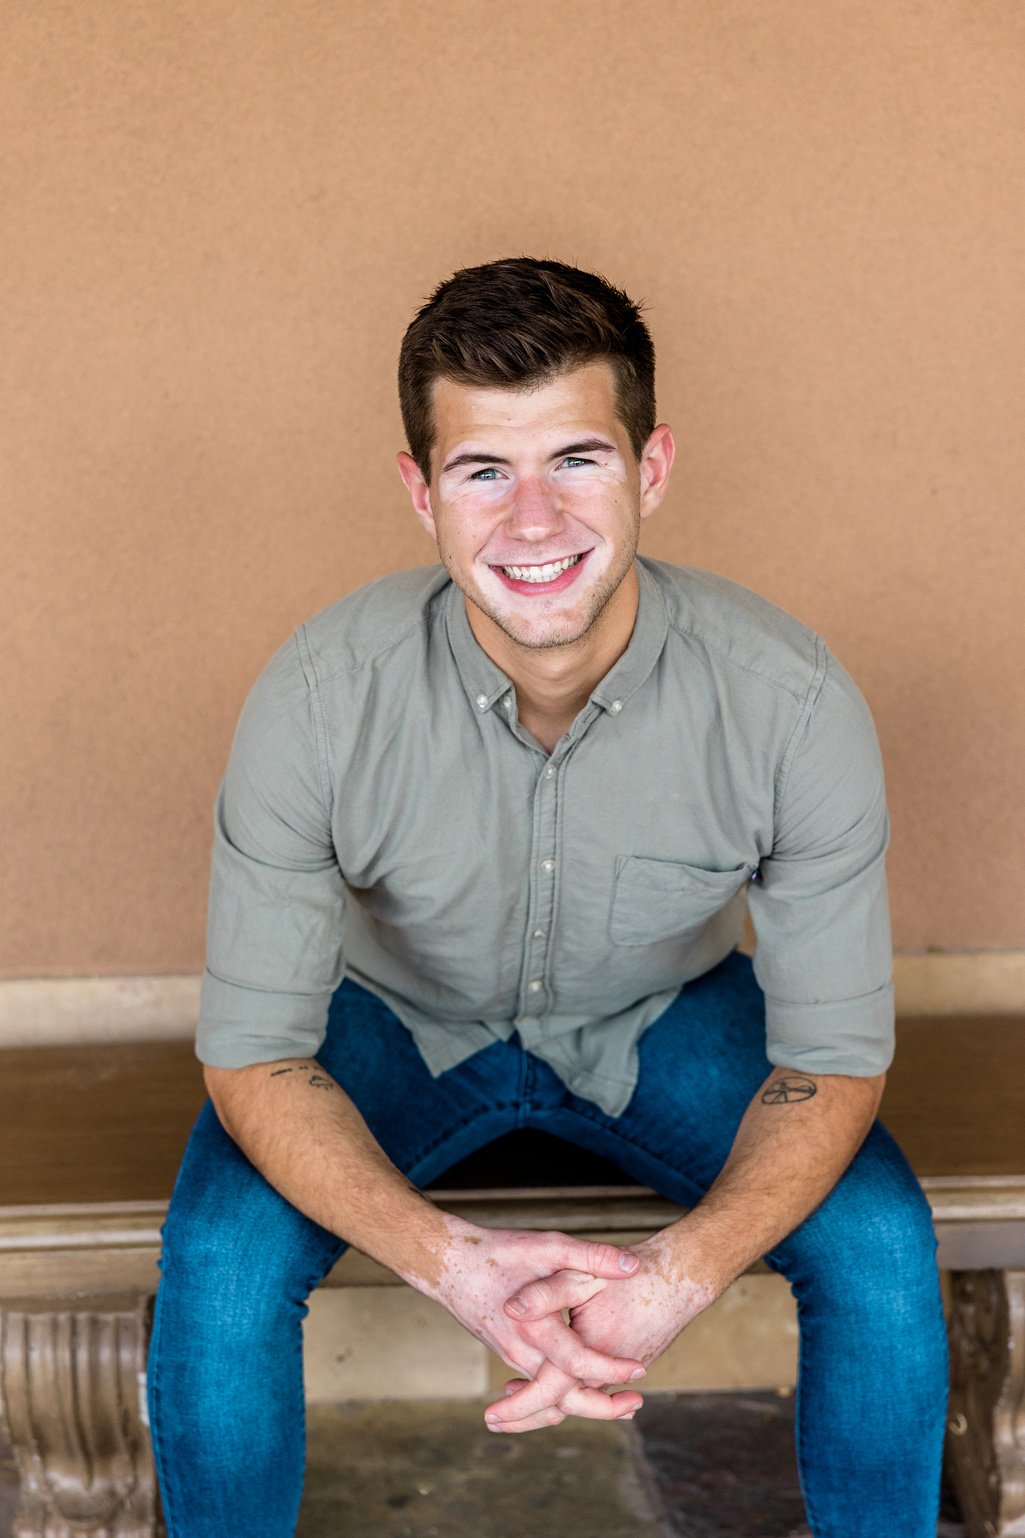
{"x": 535, "y": 985}
{"x": 616, "y": 707}
{"x": 550, "y": 772}
{"x": 538, "y": 934}
{"x": 482, "y": 701}
{"x": 548, "y": 866}
{"x": 506, "y": 703}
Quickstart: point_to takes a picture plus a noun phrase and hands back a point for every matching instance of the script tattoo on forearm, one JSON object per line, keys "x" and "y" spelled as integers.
{"x": 315, "y": 1080}
{"x": 786, "y": 1090}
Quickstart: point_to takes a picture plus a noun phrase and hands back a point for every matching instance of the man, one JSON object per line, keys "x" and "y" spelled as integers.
{"x": 529, "y": 790}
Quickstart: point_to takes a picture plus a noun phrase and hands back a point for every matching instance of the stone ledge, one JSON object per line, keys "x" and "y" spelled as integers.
{"x": 63, "y": 1249}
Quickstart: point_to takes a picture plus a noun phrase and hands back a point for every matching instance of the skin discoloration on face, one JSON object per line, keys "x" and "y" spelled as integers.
{"x": 530, "y": 478}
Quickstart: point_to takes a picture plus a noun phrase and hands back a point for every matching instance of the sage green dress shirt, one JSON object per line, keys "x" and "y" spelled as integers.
{"x": 384, "y": 815}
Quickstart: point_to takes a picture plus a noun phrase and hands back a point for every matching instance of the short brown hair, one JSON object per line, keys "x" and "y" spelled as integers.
{"x": 519, "y": 322}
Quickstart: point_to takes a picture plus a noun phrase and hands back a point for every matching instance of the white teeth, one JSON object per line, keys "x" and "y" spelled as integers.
{"x": 546, "y": 573}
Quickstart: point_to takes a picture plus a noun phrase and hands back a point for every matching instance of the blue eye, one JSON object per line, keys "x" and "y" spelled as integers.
{"x": 480, "y": 474}
{"x": 574, "y": 459}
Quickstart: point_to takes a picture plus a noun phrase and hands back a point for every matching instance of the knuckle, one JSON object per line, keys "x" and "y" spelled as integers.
{"x": 579, "y": 1364}
{"x": 599, "y": 1257}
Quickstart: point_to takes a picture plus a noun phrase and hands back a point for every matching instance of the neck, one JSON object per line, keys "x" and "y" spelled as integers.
{"x": 554, "y": 683}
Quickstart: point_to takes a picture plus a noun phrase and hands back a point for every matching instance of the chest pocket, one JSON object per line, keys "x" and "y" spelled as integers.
{"x": 666, "y": 899}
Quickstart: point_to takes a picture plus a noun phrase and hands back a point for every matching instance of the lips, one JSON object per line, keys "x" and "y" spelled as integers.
{"x": 534, "y": 585}
{"x": 546, "y": 572}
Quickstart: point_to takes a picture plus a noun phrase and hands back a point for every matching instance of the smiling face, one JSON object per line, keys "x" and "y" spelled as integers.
{"x": 535, "y": 499}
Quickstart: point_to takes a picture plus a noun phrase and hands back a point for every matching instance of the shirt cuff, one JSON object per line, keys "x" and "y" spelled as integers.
{"x": 239, "y": 1026}
{"x": 851, "y": 1036}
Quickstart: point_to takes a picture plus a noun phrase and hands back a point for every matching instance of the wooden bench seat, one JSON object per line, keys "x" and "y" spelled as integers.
{"x": 92, "y": 1140}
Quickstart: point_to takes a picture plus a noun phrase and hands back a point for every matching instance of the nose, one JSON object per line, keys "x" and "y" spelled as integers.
{"x": 535, "y": 514}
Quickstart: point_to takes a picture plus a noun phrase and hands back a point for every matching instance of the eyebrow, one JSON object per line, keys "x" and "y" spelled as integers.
{"x": 585, "y": 446}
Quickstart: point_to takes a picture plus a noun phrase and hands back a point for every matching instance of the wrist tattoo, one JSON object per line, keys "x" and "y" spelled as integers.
{"x": 786, "y": 1090}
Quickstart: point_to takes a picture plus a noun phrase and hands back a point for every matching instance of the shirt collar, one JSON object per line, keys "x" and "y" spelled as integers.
{"x": 643, "y": 650}
{"x": 485, "y": 683}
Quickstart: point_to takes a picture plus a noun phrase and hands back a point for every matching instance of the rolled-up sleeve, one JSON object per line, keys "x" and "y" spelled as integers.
{"x": 277, "y": 897}
{"x": 824, "y": 955}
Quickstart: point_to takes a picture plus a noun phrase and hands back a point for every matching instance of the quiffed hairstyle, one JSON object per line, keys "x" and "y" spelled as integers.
{"x": 519, "y": 322}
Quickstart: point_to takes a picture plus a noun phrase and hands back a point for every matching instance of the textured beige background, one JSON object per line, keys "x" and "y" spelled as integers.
{"x": 217, "y": 220}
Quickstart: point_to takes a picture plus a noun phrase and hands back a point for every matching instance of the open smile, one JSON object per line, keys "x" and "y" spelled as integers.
{"x": 545, "y": 577}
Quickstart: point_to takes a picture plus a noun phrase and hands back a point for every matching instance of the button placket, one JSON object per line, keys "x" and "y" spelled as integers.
{"x": 543, "y": 872}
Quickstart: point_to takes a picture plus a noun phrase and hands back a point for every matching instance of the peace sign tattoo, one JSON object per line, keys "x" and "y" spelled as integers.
{"x": 786, "y": 1090}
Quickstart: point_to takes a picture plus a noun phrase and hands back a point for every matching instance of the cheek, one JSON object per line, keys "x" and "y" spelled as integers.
{"x": 601, "y": 503}
{"x": 472, "y": 504}
{"x": 466, "y": 534}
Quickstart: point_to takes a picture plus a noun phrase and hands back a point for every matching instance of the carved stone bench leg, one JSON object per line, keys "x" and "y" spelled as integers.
{"x": 986, "y": 1425}
{"x": 69, "y": 1392}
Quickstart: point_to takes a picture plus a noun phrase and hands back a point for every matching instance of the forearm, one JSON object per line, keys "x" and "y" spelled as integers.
{"x": 306, "y": 1137}
{"x": 787, "y": 1155}
{"x": 791, "y": 1148}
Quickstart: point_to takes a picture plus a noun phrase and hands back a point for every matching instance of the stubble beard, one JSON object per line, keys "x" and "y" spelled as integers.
{"x": 549, "y": 640}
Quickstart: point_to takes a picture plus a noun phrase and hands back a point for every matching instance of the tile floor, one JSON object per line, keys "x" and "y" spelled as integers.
{"x": 690, "y": 1466}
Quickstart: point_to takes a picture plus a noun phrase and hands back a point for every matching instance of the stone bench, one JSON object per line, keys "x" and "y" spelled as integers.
{"x": 92, "y": 1140}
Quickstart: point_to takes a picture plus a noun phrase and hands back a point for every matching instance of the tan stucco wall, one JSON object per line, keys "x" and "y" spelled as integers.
{"x": 217, "y": 221}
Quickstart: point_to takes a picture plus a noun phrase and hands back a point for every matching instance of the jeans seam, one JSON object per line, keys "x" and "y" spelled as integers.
{"x": 154, "y": 1386}
{"x": 799, "y": 1432}
{"x": 633, "y": 1142}
{"x": 453, "y": 1131}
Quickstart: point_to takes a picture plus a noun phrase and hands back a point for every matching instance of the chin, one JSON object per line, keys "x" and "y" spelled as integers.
{"x": 543, "y": 631}
{"x": 541, "y": 638}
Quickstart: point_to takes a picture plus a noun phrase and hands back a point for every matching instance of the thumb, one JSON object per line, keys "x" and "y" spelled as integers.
{"x": 605, "y": 1260}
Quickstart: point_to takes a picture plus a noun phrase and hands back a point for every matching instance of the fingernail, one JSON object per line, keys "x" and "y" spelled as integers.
{"x": 492, "y": 1421}
{"x": 628, "y": 1416}
{"x": 518, "y": 1305}
{"x": 638, "y": 1374}
{"x": 627, "y": 1262}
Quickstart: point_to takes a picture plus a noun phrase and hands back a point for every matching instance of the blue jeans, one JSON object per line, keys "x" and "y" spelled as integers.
{"x": 225, "y": 1369}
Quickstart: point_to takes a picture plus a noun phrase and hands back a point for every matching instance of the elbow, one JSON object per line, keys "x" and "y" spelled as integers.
{"x": 232, "y": 1089}
{"x": 225, "y": 1086}
{"x": 215, "y": 1080}
{"x": 870, "y": 1090}
{"x": 218, "y": 1082}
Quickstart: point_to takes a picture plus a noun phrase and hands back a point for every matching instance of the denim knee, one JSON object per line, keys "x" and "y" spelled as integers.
{"x": 870, "y": 1248}
{"x": 234, "y": 1250}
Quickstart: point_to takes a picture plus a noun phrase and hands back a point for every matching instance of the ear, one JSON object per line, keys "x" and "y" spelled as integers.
{"x": 419, "y": 490}
{"x": 655, "y": 464}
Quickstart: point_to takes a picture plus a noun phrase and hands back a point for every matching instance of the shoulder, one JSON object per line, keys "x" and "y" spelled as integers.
{"x": 737, "y": 629}
{"x": 370, "y": 622}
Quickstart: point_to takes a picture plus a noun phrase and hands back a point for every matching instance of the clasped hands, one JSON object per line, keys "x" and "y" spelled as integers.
{"x": 625, "y": 1307}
